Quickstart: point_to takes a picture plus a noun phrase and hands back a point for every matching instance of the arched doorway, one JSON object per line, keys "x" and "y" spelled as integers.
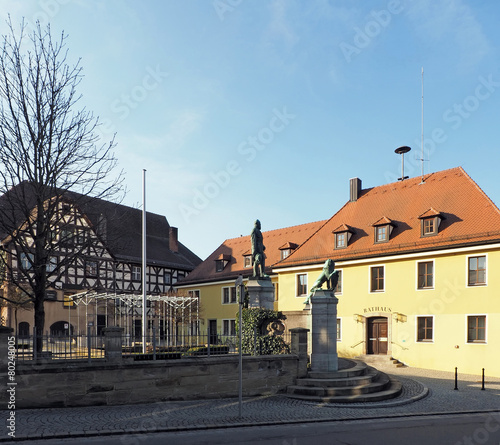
{"x": 23, "y": 330}
{"x": 61, "y": 329}
{"x": 377, "y": 332}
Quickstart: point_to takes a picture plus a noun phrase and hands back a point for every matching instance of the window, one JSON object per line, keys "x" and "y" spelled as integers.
{"x": 229, "y": 295}
{"x": 477, "y": 270}
{"x": 66, "y": 237}
{"x": 91, "y": 268}
{"x": 81, "y": 237}
{"x": 167, "y": 278}
{"x": 338, "y": 288}
{"x": 429, "y": 226}
{"x": 341, "y": 240}
{"x": 219, "y": 265}
{"x": 476, "y": 329}
{"x": 67, "y": 301}
{"x": 301, "y": 285}
{"x": 248, "y": 261}
{"x": 52, "y": 264}
{"x": 425, "y": 275}
{"x": 339, "y": 330}
{"x": 228, "y": 327}
{"x": 377, "y": 278}
{"x": 136, "y": 273}
{"x": 194, "y": 293}
{"x": 381, "y": 234}
{"x": 26, "y": 261}
{"x": 424, "y": 329}
{"x": 285, "y": 253}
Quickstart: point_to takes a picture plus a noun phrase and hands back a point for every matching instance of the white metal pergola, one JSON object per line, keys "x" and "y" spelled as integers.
{"x": 175, "y": 316}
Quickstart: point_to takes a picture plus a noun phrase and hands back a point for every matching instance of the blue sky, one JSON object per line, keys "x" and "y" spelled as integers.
{"x": 245, "y": 109}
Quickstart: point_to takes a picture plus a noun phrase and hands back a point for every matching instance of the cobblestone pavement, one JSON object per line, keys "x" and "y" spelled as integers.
{"x": 424, "y": 392}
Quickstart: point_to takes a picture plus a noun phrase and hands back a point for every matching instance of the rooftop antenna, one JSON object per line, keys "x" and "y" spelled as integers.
{"x": 401, "y": 151}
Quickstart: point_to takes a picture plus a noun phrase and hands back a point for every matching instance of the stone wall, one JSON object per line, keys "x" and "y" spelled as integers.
{"x": 53, "y": 384}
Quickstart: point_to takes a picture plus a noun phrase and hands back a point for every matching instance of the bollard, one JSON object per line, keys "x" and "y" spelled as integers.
{"x": 482, "y": 386}
{"x": 456, "y": 379}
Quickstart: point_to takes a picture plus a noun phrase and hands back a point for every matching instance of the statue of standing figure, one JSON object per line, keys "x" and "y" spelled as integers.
{"x": 258, "y": 256}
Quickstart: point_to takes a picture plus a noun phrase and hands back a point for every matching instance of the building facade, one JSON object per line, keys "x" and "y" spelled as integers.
{"x": 416, "y": 261}
{"x": 99, "y": 249}
{"x": 213, "y": 281}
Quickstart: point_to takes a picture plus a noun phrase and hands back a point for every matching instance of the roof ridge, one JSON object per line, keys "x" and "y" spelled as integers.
{"x": 480, "y": 190}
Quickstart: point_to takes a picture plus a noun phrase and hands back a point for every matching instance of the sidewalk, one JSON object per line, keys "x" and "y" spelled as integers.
{"x": 424, "y": 392}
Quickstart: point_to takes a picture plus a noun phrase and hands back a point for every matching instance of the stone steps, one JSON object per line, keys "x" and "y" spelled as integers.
{"x": 361, "y": 383}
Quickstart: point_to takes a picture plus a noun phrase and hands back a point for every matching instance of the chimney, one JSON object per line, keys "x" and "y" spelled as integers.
{"x": 173, "y": 242}
{"x": 354, "y": 189}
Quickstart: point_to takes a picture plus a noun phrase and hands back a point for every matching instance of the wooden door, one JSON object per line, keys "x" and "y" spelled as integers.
{"x": 212, "y": 325}
{"x": 377, "y": 336}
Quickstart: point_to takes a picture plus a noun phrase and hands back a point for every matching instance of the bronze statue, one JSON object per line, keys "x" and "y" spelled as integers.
{"x": 258, "y": 256}
{"x": 329, "y": 275}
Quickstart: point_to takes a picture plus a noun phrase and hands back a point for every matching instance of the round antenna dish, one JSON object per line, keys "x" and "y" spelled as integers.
{"x": 402, "y": 150}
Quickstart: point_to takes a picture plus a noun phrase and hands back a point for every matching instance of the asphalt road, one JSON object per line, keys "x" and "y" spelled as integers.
{"x": 463, "y": 429}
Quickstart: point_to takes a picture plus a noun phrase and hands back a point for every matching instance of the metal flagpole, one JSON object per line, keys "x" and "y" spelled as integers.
{"x": 144, "y": 321}
{"x": 239, "y": 286}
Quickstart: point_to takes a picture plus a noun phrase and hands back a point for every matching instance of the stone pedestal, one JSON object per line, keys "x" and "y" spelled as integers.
{"x": 113, "y": 343}
{"x": 260, "y": 293}
{"x": 324, "y": 357}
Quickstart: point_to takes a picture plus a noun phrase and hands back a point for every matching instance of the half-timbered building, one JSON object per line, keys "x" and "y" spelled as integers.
{"x": 99, "y": 249}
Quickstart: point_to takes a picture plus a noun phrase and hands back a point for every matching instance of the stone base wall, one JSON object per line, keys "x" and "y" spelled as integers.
{"x": 67, "y": 385}
{"x": 297, "y": 319}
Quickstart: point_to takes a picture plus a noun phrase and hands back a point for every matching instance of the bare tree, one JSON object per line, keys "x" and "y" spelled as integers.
{"x": 50, "y": 155}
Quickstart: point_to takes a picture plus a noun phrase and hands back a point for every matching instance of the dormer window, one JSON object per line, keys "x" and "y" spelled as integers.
{"x": 383, "y": 229}
{"x": 221, "y": 262}
{"x": 381, "y": 234}
{"x": 342, "y": 235}
{"x": 247, "y": 260}
{"x": 429, "y": 222}
{"x": 287, "y": 249}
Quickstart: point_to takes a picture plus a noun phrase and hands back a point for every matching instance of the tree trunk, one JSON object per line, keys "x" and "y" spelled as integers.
{"x": 39, "y": 324}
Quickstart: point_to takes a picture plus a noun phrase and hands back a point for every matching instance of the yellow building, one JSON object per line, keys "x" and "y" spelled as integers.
{"x": 416, "y": 261}
{"x": 213, "y": 281}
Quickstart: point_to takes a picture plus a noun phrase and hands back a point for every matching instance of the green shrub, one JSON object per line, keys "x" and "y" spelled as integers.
{"x": 255, "y": 338}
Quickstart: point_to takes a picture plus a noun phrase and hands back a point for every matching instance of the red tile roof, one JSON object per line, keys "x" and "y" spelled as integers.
{"x": 237, "y": 248}
{"x": 469, "y": 217}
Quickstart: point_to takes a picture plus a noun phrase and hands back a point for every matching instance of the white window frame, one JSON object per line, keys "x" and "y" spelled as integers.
{"x": 26, "y": 261}
{"x": 485, "y": 342}
{"x": 230, "y": 292}
{"x": 423, "y": 289}
{"x": 370, "y": 279}
{"x": 339, "y": 337}
{"x": 194, "y": 293}
{"x": 467, "y": 271}
{"x": 133, "y": 274}
{"x": 417, "y": 341}
{"x": 228, "y": 321}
